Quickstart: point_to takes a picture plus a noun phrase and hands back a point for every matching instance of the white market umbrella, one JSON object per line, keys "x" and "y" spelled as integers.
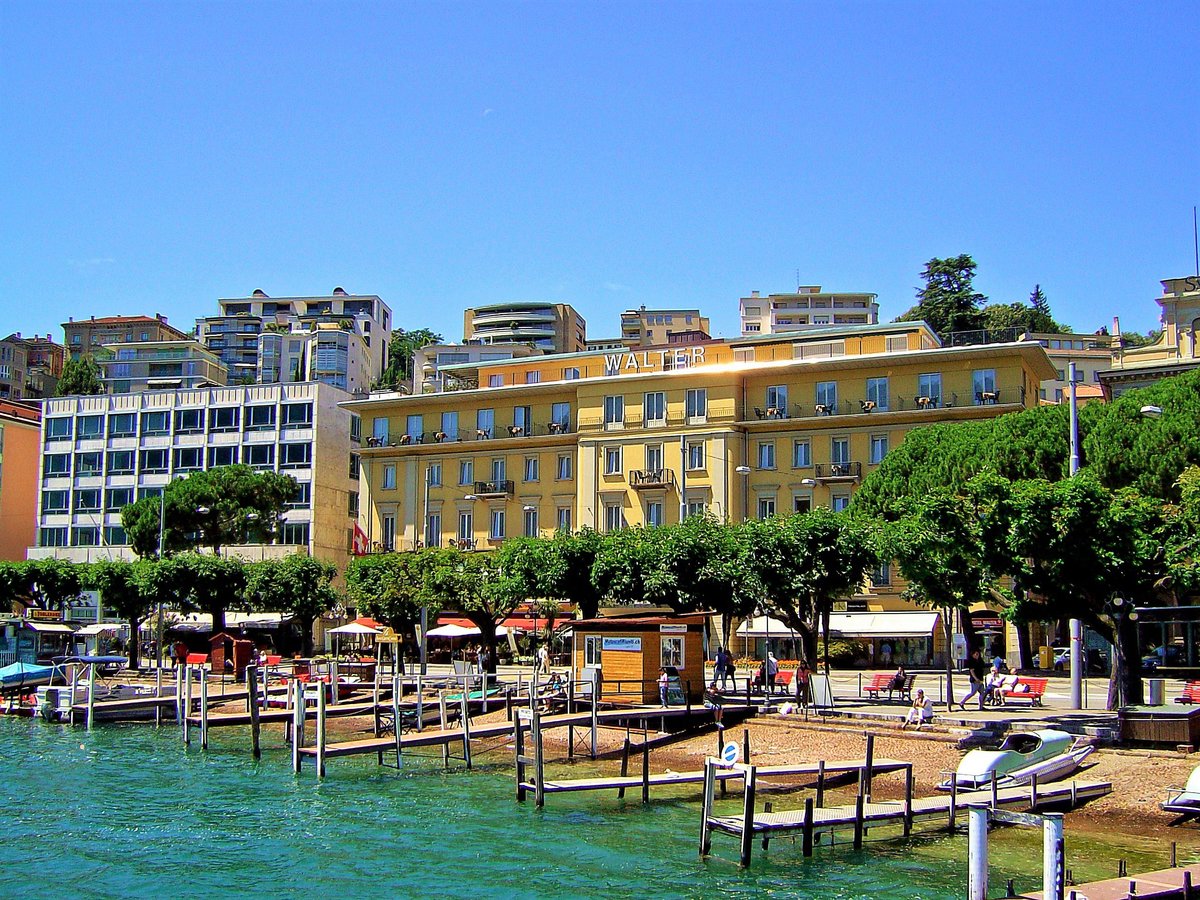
{"x": 451, "y": 631}
{"x": 354, "y": 628}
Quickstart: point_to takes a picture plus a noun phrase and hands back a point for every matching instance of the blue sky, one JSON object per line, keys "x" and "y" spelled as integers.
{"x": 157, "y": 156}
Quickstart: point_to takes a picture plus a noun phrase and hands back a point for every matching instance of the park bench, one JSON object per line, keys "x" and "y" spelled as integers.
{"x": 882, "y": 681}
{"x": 784, "y": 678}
{"x": 1030, "y": 689}
{"x": 197, "y": 659}
{"x": 1191, "y": 693}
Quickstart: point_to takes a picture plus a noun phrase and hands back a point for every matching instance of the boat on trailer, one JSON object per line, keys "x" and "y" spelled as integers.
{"x": 1048, "y": 754}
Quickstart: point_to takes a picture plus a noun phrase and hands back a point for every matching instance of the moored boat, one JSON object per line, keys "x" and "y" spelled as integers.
{"x": 1047, "y": 754}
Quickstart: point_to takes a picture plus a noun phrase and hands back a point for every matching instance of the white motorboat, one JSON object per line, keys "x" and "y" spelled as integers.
{"x": 1048, "y": 754}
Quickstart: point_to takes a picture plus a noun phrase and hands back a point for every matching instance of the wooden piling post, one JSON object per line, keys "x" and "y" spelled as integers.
{"x": 397, "y": 692}
{"x": 539, "y": 760}
{"x": 748, "y": 816}
{"x": 571, "y": 695}
{"x": 158, "y": 696}
{"x": 178, "y": 694}
{"x": 624, "y": 765}
{"x": 995, "y": 791}
{"x": 466, "y": 729}
{"x": 1187, "y": 884}
{"x": 252, "y": 698}
{"x": 321, "y": 729}
{"x": 645, "y": 769}
{"x": 519, "y": 753}
{"x": 297, "y": 691}
{"x": 203, "y": 711}
{"x": 953, "y": 800}
{"x": 91, "y": 704}
{"x": 187, "y": 705}
{"x": 746, "y": 745}
{"x": 858, "y": 821}
{"x": 333, "y": 682}
{"x": 808, "y": 827}
{"x": 977, "y": 852}
{"x": 74, "y": 693}
{"x": 870, "y": 763}
{"x": 820, "y": 782}
{"x": 908, "y": 800}
{"x": 766, "y": 838}
{"x": 710, "y": 771}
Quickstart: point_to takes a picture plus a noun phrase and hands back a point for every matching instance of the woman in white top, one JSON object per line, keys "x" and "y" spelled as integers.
{"x": 920, "y": 712}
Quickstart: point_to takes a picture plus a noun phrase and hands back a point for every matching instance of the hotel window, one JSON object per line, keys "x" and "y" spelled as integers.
{"x": 433, "y": 530}
{"x": 614, "y": 410}
{"x": 295, "y": 456}
{"x": 58, "y": 428}
{"x": 262, "y": 418}
{"x": 302, "y": 499}
{"x": 766, "y": 507}
{"x": 877, "y": 392}
{"x": 612, "y": 460}
{"x": 88, "y": 463}
{"x": 188, "y": 459}
{"x": 563, "y": 470}
{"x": 485, "y": 422}
{"x": 87, "y": 500}
{"x": 189, "y": 421}
{"x": 929, "y": 385}
{"x": 533, "y": 377}
{"x": 466, "y": 527}
{"x": 826, "y": 400}
{"x": 355, "y": 466}
{"x": 414, "y": 427}
{"x": 984, "y": 381}
{"x": 222, "y": 456}
{"x": 153, "y": 462}
{"x": 801, "y": 454}
{"x": 801, "y": 503}
{"x": 54, "y": 501}
{"x": 613, "y": 520}
{"x": 592, "y": 644}
{"x": 882, "y": 575}
{"x": 562, "y": 517}
{"x": 297, "y": 415}
{"x": 530, "y": 521}
{"x": 695, "y": 455}
{"x": 466, "y": 471}
{"x": 655, "y": 408}
{"x": 122, "y": 425}
{"x": 696, "y": 404}
{"x": 839, "y": 450}
{"x": 389, "y": 477}
{"x": 433, "y": 475}
{"x": 496, "y": 525}
{"x": 495, "y": 381}
{"x": 499, "y": 469}
{"x": 379, "y": 429}
{"x": 450, "y": 426}
{"x": 694, "y": 508}
{"x": 259, "y": 456}
{"x": 52, "y": 537}
{"x": 90, "y": 427}
{"x": 840, "y": 502}
{"x": 879, "y": 448}
{"x": 531, "y": 468}
{"x": 356, "y": 429}
{"x": 223, "y": 418}
{"x": 155, "y": 423}
{"x": 777, "y": 400}
{"x": 85, "y": 537}
{"x": 766, "y": 454}
{"x": 522, "y": 425}
{"x": 144, "y": 492}
{"x": 654, "y": 457}
{"x": 672, "y": 652}
{"x": 294, "y": 533}
{"x": 571, "y": 373}
{"x": 353, "y": 504}
{"x": 654, "y": 512}
{"x": 57, "y": 464}
{"x": 560, "y": 418}
{"x": 387, "y": 532}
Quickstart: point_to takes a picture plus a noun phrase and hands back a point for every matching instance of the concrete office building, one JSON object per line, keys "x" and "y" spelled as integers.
{"x": 644, "y": 327}
{"x": 20, "y": 428}
{"x": 340, "y": 340}
{"x": 549, "y": 327}
{"x": 808, "y": 307}
{"x": 130, "y": 368}
{"x": 101, "y": 453}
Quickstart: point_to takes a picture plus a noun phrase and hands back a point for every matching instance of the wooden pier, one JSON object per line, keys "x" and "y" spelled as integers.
{"x": 865, "y": 813}
{"x": 1181, "y": 883}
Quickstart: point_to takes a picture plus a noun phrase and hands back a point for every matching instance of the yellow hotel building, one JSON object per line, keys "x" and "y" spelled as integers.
{"x": 739, "y": 428}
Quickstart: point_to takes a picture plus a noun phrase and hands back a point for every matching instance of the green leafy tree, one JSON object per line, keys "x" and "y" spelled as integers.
{"x": 297, "y": 585}
{"x": 949, "y": 301}
{"x": 939, "y": 551}
{"x": 474, "y": 584}
{"x": 629, "y": 569}
{"x": 1137, "y": 339}
{"x": 999, "y": 316}
{"x": 79, "y": 377}
{"x": 390, "y": 587}
{"x": 46, "y": 583}
{"x": 211, "y": 584}
{"x": 121, "y": 590}
{"x": 557, "y": 569}
{"x": 1183, "y": 541}
{"x": 404, "y": 344}
{"x": 1043, "y": 319}
{"x": 214, "y": 509}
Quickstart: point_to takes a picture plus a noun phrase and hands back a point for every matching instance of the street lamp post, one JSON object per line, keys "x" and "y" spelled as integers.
{"x": 158, "y": 638}
{"x": 1076, "y": 652}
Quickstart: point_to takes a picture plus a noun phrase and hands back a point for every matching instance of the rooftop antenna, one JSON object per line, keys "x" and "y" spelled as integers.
{"x": 1195, "y": 241}
{"x": 798, "y": 271}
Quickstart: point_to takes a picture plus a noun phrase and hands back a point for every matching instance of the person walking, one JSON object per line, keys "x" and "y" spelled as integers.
{"x": 664, "y": 682}
{"x": 722, "y": 667}
{"x": 772, "y": 669}
{"x": 976, "y": 670}
{"x": 543, "y": 661}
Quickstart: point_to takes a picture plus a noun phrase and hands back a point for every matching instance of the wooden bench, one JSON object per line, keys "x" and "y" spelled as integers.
{"x": 197, "y": 659}
{"x": 784, "y": 679}
{"x": 1191, "y": 693}
{"x": 1030, "y": 689}
{"x": 881, "y": 682}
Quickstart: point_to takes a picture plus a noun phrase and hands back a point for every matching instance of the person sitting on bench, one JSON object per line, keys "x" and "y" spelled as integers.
{"x": 897, "y": 683}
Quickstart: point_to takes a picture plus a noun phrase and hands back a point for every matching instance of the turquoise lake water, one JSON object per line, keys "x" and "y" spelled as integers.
{"x": 127, "y": 811}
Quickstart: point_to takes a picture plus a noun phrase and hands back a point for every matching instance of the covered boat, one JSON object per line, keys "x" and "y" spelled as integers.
{"x": 22, "y": 675}
{"x": 1047, "y": 753}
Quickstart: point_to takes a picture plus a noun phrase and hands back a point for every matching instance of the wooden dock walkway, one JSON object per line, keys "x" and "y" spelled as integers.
{"x": 813, "y": 820}
{"x": 1164, "y": 884}
{"x": 281, "y": 714}
{"x": 829, "y": 769}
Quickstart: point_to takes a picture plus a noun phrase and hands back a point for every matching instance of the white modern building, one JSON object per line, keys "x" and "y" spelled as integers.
{"x": 127, "y": 368}
{"x": 429, "y": 361}
{"x": 100, "y": 453}
{"x": 808, "y": 307}
{"x": 341, "y": 340}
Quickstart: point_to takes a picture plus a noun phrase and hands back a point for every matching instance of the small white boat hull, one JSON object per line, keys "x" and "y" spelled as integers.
{"x": 980, "y": 767}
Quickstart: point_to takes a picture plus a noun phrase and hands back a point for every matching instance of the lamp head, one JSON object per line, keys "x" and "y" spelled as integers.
{"x": 742, "y": 470}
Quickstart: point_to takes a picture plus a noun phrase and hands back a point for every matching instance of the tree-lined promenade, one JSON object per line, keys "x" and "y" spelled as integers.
{"x": 969, "y": 512}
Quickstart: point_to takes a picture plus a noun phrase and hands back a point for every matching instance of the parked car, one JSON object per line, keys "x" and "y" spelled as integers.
{"x": 1171, "y": 655}
{"x": 1097, "y": 660}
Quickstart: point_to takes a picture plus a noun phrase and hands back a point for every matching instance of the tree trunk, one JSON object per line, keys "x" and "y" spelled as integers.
{"x": 1125, "y": 677}
{"x": 825, "y": 611}
{"x": 1024, "y": 647}
{"x": 217, "y": 611}
{"x": 134, "y": 650}
{"x": 948, "y": 627}
{"x": 306, "y": 635}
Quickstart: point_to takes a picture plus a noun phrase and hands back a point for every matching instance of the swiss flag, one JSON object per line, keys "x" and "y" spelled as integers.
{"x": 359, "y": 546}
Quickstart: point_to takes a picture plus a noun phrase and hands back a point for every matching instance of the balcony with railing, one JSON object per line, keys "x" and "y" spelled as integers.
{"x": 651, "y": 479}
{"x": 842, "y": 471}
{"x": 493, "y": 488}
{"x": 463, "y": 435}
